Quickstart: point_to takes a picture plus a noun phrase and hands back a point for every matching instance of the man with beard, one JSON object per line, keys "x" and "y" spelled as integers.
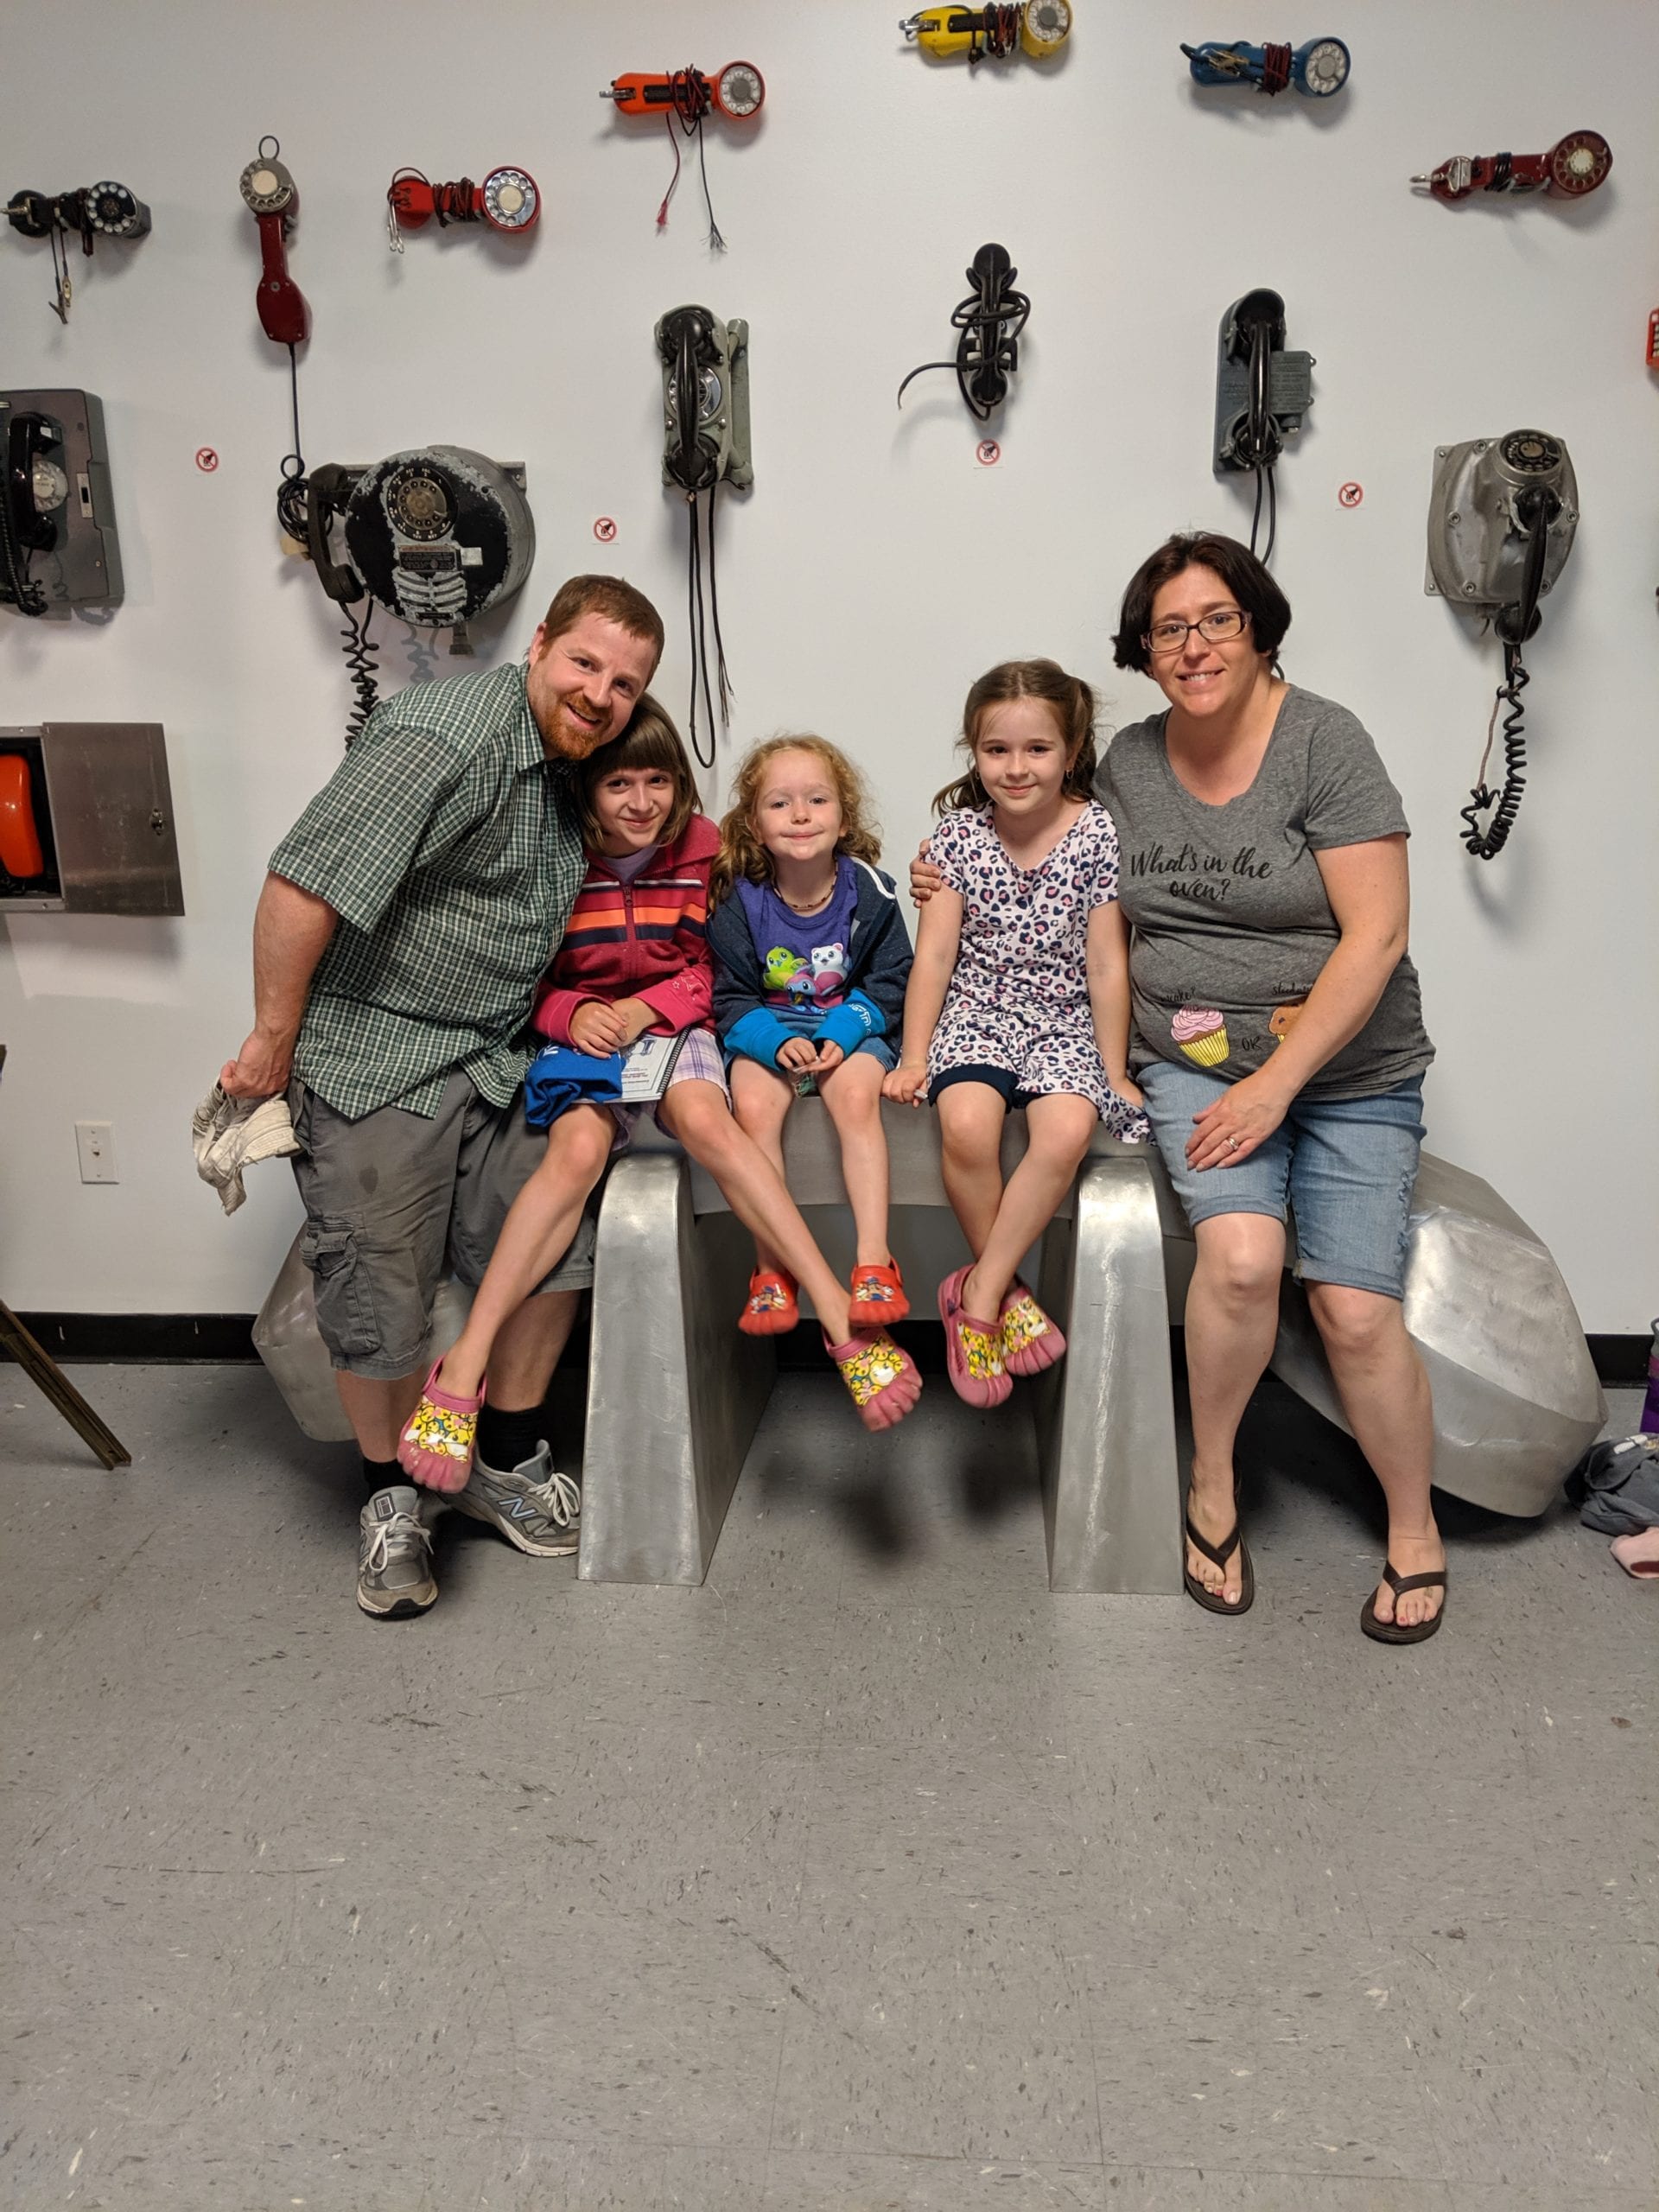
{"x": 402, "y": 926}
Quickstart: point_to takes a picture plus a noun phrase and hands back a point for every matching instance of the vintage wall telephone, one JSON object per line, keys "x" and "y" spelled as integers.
{"x": 436, "y": 536}
{"x": 507, "y": 202}
{"x": 270, "y": 192}
{"x": 1317, "y": 69}
{"x": 989, "y": 320}
{"x": 683, "y": 98}
{"x": 91, "y": 212}
{"x": 1262, "y": 392}
{"x": 1502, "y": 516}
{"x": 706, "y": 443}
{"x": 58, "y": 543}
{"x": 1039, "y": 29}
{"x": 1573, "y": 165}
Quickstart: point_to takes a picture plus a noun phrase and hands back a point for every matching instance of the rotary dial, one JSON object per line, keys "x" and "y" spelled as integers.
{"x": 1327, "y": 67}
{"x": 511, "y": 200}
{"x": 741, "y": 89}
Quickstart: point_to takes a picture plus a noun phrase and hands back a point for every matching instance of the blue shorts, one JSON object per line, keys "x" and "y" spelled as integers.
{"x": 1345, "y": 1168}
{"x": 879, "y": 1050}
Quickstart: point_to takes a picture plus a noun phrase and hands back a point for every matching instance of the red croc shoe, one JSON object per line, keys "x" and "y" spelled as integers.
{"x": 973, "y": 1349}
{"x": 877, "y": 1296}
{"x": 435, "y": 1447}
{"x": 770, "y": 1309}
{"x": 881, "y": 1380}
{"x": 1031, "y": 1341}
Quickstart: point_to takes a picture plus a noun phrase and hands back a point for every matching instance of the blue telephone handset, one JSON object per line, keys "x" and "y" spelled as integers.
{"x": 1317, "y": 69}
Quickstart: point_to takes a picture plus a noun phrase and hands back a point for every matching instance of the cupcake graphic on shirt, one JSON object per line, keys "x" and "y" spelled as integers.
{"x": 1201, "y": 1032}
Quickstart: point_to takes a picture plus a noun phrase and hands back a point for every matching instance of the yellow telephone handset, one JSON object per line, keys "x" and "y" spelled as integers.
{"x": 1038, "y": 28}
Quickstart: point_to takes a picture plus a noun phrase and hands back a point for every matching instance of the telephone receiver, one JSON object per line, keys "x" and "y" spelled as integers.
{"x": 325, "y": 490}
{"x": 1535, "y": 509}
{"x": 691, "y": 396}
{"x": 988, "y": 323}
{"x": 20, "y": 840}
{"x": 106, "y": 210}
{"x": 272, "y": 195}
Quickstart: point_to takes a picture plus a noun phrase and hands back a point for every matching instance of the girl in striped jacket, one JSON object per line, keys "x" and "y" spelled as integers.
{"x": 634, "y": 960}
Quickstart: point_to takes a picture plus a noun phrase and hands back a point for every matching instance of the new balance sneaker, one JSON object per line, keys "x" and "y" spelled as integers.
{"x": 535, "y": 1507}
{"x": 394, "y": 1556}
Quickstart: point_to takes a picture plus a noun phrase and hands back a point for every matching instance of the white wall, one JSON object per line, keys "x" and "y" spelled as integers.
{"x": 876, "y": 569}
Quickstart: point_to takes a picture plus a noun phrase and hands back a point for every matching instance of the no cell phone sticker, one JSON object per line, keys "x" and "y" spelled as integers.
{"x": 1351, "y": 495}
{"x": 206, "y": 460}
{"x": 987, "y": 452}
{"x": 604, "y": 529}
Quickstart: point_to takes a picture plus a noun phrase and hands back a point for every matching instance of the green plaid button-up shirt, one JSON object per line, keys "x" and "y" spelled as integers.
{"x": 446, "y": 843}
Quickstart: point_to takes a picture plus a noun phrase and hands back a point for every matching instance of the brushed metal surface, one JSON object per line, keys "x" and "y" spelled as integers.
{"x": 1516, "y": 1400}
{"x": 111, "y": 808}
{"x": 1106, "y": 1414}
{"x": 675, "y": 1392}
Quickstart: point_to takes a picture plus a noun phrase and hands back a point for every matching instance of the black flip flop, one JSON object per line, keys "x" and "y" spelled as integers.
{"x": 1211, "y": 1600}
{"x": 1385, "y": 1631}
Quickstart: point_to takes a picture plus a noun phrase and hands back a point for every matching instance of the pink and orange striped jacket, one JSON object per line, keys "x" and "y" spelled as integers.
{"x": 639, "y": 940}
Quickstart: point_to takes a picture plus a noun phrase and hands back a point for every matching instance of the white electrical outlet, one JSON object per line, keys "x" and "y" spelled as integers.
{"x": 95, "y": 1144}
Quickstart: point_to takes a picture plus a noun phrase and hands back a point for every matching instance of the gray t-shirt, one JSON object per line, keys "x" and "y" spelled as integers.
{"x": 1232, "y": 925}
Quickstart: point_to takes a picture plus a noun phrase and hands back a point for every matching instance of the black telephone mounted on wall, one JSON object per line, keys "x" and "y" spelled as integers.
{"x": 58, "y": 545}
{"x": 91, "y": 212}
{"x": 436, "y": 536}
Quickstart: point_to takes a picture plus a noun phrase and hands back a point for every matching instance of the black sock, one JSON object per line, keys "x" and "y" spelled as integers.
{"x": 506, "y": 1439}
{"x": 382, "y": 1474}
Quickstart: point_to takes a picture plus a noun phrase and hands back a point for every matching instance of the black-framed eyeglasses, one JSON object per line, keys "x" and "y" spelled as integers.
{"x": 1216, "y": 628}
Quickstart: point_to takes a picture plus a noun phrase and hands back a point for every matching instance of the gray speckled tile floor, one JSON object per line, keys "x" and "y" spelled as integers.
{"x": 867, "y": 1878}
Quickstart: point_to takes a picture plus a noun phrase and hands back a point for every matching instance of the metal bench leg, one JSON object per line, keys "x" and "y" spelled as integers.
{"x": 675, "y": 1392}
{"x": 1105, "y": 1414}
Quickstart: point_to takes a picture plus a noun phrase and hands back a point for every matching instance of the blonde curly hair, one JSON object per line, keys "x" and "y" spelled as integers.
{"x": 742, "y": 854}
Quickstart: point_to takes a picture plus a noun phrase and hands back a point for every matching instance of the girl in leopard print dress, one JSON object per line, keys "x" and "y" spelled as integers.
{"x": 1019, "y": 997}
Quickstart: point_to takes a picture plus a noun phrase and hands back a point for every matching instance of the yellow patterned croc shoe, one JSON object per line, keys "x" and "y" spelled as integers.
{"x": 1031, "y": 1341}
{"x": 973, "y": 1349}
{"x": 435, "y": 1449}
{"x": 880, "y": 1379}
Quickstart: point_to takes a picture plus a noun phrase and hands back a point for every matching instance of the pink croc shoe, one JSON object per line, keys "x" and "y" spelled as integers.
{"x": 881, "y": 1379}
{"x": 435, "y": 1449}
{"x": 973, "y": 1349}
{"x": 1031, "y": 1341}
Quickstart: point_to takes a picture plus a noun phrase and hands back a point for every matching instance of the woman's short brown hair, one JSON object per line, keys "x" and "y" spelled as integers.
{"x": 1074, "y": 710}
{"x": 742, "y": 854}
{"x": 649, "y": 740}
{"x": 1239, "y": 569}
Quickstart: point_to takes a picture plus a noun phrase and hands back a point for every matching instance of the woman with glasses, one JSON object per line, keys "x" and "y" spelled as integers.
{"x": 1278, "y": 1037}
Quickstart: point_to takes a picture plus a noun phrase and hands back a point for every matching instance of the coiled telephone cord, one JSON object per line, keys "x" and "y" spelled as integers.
{"x": 360, "y": 649}
{"x": 1485, "y": 843}
{"x": 1000, "y": 35}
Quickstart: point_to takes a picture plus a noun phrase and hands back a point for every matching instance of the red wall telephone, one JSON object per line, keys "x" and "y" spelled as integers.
{"x": 1573, "y": 165}
{"x": 270, "y": 192}
{"x": 507, "y": 200}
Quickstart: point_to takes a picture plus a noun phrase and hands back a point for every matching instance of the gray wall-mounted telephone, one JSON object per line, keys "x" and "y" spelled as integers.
{"x": 1502, "y": 515}
{"x": 58, "y": 546}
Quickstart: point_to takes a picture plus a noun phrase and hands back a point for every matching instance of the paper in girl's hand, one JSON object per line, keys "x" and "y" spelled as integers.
{"x": 646, "y": 1066}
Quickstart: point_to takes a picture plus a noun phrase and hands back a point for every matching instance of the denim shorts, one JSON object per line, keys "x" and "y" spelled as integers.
{"x": 1344, "y": 1166}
